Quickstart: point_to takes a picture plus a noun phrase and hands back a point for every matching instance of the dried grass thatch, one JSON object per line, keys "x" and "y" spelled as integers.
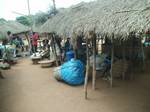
{"x": 36, "y": 28}
{"x": 12, "y": 26}
{"x": 118, "y": 17}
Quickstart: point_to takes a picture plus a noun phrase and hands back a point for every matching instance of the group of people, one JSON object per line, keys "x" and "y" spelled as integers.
{"x": 16, "y": 41}
{"x": 61, "y": 46}
{"x": 11, "y": 47}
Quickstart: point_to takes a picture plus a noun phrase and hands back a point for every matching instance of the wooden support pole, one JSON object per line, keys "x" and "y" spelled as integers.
{"x": 29, "y": 42}
{"x": 87, "y": 69}
{"x": 101, "y": 44}
{"x": 1, "y": 76}
{"x": 124, "y": 59}
{"x": 94, "y": 62}
{"x": 54, "y": 7}
{"x": 74, "y": 43}
{"x": 143, "y": 55}
{"x": 132, "y": 60}
{"x": 112, "y": 60}
{"x": 55, "y": 53}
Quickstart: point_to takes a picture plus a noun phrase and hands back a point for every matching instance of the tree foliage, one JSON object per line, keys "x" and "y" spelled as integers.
{"x": 40, "y": 18}
{"x": 37, "y": 19}
{"x": 51, "y": 11}
{"x": 25, "y": 20}
{"x": 2, "y": 20}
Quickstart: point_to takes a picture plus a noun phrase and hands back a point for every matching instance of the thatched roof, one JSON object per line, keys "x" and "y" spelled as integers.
{"x": 13, "y": 27}
{"x": 2, "y": 35}
{"x": 36, "y": 28}
{"x": 119, "y": 17}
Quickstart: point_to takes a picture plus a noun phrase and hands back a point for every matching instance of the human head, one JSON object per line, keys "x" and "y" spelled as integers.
{"x": 8, "y": 33}
{"x": 33, "y": 33}
{"x": 68, "y": 39}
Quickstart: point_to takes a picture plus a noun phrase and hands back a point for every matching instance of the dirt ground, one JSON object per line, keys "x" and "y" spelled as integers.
{"x": 30, "y": 88}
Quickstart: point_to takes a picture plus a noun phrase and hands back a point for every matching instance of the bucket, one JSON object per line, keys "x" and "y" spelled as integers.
{"x": 69, "y": 55}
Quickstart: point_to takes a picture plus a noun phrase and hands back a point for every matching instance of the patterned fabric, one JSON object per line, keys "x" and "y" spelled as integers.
{"x": 72, "y": 72}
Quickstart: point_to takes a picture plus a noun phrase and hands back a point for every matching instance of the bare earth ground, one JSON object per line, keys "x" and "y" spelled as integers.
{"x": 29, "y": 88}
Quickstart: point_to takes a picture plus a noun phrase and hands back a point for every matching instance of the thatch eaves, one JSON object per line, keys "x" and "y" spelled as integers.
{"x": 13, "y": 27}
{"x": 118, "y": 17}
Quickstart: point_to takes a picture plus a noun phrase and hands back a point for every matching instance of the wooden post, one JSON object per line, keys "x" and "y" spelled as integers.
{"x": 101, "y": 44}
{"x": 74, "y": 43}
{"x": 29, "y": 42}
{"x": 112, "y": 60}
{"x": 1, "y": 76}
{"x": 55, "y": 53}
{"x": 54, "y": 6}
{"x": 50, "y": 47}
{"x": 87, "y": 69}
{"x": 123, "y": 55}
{"x": 143, "y": 55}
{"x": 28, "y": 6}
{"x": 94, "y": 61}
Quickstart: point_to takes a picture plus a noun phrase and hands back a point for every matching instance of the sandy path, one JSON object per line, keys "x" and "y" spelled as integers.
{"x": 29, "y": 88}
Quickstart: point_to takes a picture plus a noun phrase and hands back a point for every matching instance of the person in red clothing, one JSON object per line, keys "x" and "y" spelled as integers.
{"x": 35, "y": 37}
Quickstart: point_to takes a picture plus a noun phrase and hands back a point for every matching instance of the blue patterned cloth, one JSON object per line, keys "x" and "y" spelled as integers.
{"x": 72, "y": 72}
{"x": 147, "y": 44}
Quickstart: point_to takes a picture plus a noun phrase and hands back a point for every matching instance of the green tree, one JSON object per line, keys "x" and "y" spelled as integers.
{"x": 40, "y": 18}
{"x": 2, "y": 20}
{"x": 25, "y": 20}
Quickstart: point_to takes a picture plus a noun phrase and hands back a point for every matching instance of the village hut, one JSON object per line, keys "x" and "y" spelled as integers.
{"x": 107, "y": 16}
{"x": 13, "y": 26}
{"x": 122, "y": 23}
